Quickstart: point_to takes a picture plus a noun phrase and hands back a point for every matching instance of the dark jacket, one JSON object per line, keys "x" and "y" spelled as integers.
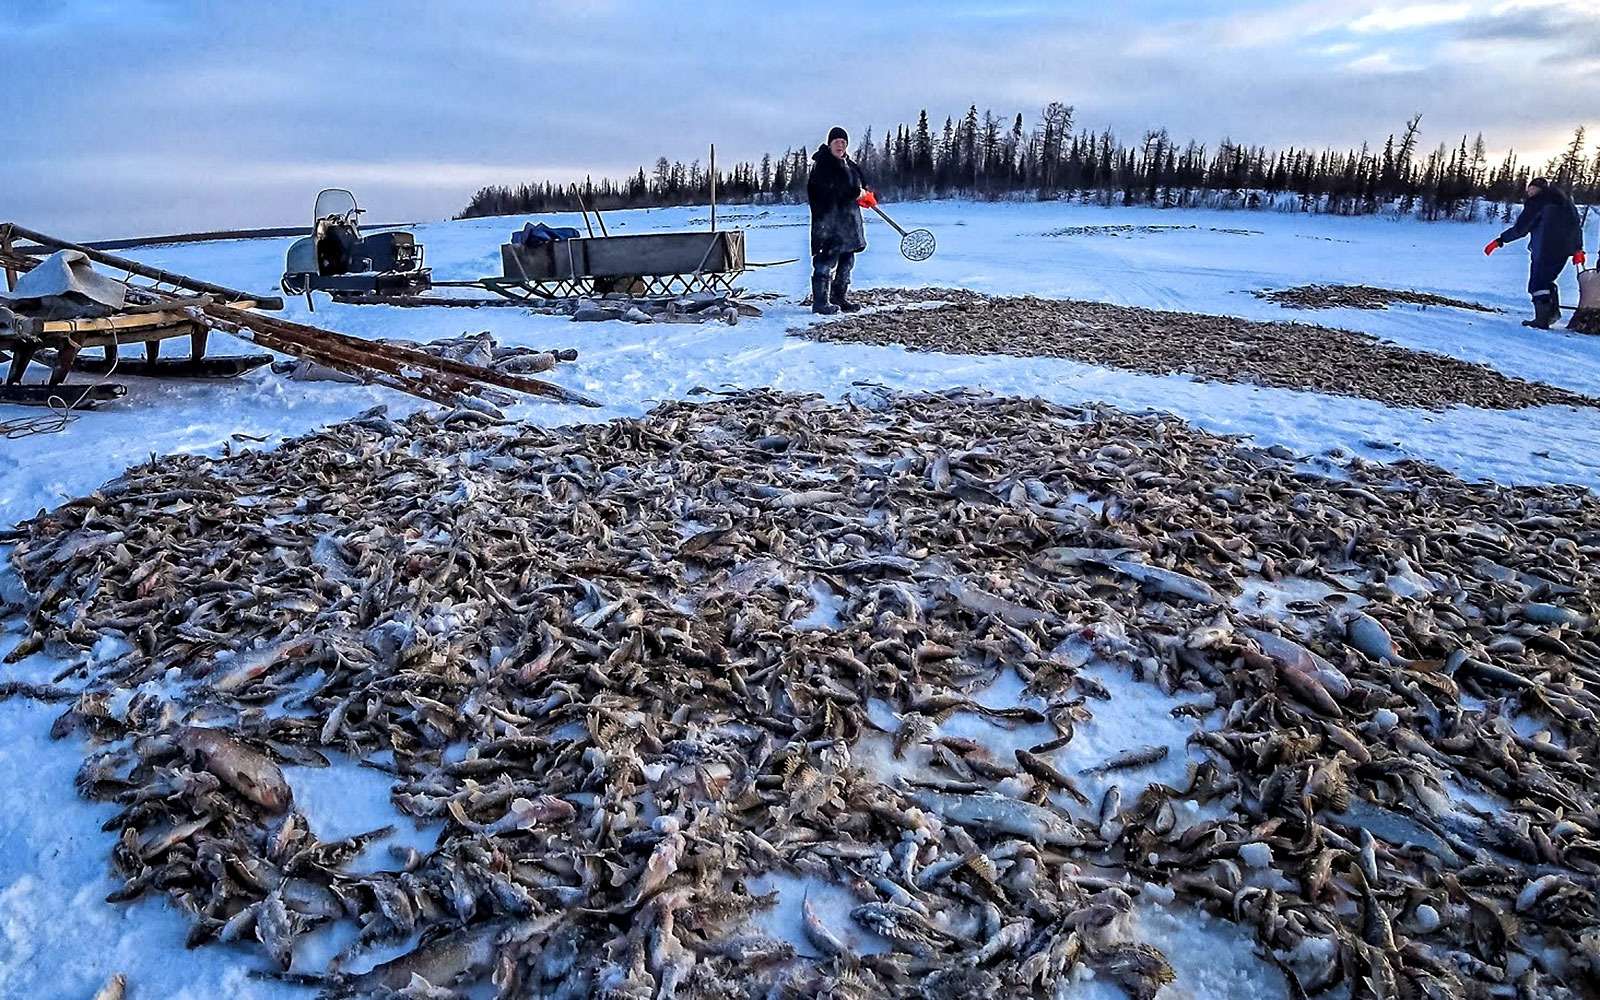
{"x": 1550, "y": 220}
{"x": 832, "y": 190}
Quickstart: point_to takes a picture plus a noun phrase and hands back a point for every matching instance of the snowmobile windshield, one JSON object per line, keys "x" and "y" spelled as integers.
{"x": 336, "y": 202}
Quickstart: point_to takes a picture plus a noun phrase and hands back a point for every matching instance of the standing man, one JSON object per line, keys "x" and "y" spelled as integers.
{"x": 1550, "y": 220}
{"x": 836, "y": 190}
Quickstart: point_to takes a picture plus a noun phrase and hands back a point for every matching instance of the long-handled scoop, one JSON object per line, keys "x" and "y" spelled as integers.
{"x": 918, "y": 244}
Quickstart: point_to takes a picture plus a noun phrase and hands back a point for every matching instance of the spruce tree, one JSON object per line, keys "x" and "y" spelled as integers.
{"x": 922, "y": 160}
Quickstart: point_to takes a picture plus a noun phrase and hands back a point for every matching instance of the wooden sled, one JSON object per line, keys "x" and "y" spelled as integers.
{"x": 201, "y": 368}
{"x": 81, "y": 397}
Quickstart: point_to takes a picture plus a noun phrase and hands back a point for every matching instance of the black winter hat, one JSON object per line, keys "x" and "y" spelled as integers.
{"x": 1540, "y": 182}
{"x": 838, "y": 133}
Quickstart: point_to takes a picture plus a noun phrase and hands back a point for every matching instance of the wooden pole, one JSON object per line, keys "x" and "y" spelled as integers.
{"x": 585, "y": 210}
{"x": 19, "y": 263}
{"x": 338, "y": 361}
{"x": 146, "y": 271}
{"x": 713, "y": 187}
{"x": 406, "y": 356}
{"x": 5, "y": 248}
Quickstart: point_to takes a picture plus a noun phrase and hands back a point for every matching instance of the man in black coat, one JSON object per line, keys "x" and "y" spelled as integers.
{"x": 837, "y": 232}
{"x": 1555, "y": 233}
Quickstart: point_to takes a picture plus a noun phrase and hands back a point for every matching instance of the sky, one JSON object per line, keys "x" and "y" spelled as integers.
{"x": 141, "y": 117}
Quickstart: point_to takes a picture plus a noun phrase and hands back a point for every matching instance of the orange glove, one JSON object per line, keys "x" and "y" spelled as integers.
{"x": 1580, "y": 258}
{"x": 867, "y": 200}
{"x": 1491, "y": 248}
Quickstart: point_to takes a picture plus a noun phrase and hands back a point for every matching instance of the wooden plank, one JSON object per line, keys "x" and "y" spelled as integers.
{"x": 109, "y": 337}
{"x": 373, "y": 371}
{"x": 122, "y": 322}
{"x": 133, "y": 324}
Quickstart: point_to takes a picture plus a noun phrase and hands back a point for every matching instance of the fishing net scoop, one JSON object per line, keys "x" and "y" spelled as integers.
{"x": 918, "y": 244}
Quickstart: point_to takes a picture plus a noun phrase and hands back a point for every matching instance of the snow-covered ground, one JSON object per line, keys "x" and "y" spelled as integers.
{"x": 59, "y": 938}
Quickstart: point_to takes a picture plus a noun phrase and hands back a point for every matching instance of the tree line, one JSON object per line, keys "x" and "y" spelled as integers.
{"x": 986, "y": 157}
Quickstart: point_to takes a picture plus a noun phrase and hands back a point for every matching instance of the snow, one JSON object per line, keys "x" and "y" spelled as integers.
{"x": 824, "y": 613}
{"x": 1256, "y": 855}
{"x": 830, "y": 902}
{"x": 1136, "y": 715}
{"x": 1213, "y": 958}
{"x": 1273, "y": 599}
{"x": 1474, "y": 798}
{"x": 59, "y": 937}
{"x": 346, "y": 799}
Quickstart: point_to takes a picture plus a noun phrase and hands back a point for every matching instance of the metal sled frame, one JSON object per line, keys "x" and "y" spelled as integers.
{"x": 643, "y": 265}
{"x": 646, "y": 266}
{"x": 649, "y": 286}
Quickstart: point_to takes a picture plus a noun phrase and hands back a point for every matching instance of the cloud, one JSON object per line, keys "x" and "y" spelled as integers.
{"x": 1560, "y": 24}
{"x": 1408, "y": 18}
{"x": 145, "y": 115}
{"x": 1378, "y": 62}
{"x": 246, "y": 174}
{"x": 1545, "y": 35}
{"x": 1275, "y": 25}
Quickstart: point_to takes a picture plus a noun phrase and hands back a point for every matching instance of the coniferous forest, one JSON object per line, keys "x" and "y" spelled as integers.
{"x": 986, "y": 157}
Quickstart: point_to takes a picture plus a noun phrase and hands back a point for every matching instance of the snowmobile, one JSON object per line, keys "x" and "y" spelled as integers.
{"x": 338, "y": 260}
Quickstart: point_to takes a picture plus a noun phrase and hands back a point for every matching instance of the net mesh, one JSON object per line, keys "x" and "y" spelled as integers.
{"x": 918, "y": 245}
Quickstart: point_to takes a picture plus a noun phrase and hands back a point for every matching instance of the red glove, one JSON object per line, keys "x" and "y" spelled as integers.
{"x": 867, "y": 200}
{"x": 1580, "y": 258}
{"x": 1491, "y": 248}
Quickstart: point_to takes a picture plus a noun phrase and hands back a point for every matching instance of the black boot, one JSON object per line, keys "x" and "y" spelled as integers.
{"x": 1545, "y": 311}
{"x": 819, "y": 297}
{"x": 841, "y": 289}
